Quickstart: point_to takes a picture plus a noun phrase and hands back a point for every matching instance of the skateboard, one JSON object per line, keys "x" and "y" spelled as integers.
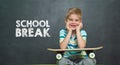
{"x": 84, "y": 51}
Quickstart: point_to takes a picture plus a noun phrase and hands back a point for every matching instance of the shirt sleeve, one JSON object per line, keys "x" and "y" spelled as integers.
{"x": 84, "y": 34}
{"x": 62, "y": 34}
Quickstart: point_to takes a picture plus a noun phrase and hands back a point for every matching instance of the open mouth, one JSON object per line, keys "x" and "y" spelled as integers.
{"x": 73, "y": 25}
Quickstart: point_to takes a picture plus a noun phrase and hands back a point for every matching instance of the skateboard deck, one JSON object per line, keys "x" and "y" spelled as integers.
{"x": 80, "y": 49}
{"x": 85, "y": 51}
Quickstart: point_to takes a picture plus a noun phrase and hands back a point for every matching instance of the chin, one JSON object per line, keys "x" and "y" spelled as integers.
{"x": 73, "y": 29}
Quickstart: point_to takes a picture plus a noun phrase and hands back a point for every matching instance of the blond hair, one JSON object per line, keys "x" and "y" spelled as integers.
{"x": 76, "y": 11}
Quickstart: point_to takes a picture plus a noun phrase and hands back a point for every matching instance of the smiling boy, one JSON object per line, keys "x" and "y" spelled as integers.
{"x": 74, "y": 37}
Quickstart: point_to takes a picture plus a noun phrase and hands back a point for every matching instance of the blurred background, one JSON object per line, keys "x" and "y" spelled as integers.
{"x": 100, "y": 17}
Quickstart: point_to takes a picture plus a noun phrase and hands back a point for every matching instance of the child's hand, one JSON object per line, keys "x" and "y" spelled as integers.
{"x": 80, "y": 25}
{"x": 67, "y": 26}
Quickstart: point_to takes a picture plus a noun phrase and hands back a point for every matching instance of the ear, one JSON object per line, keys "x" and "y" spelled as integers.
{"x": 65, "y": 21}
{"x": 81, "y": 20}
{"x": 81, "y": 23}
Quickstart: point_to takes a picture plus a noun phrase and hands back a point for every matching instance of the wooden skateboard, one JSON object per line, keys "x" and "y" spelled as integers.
{"x": 85, "y": 51}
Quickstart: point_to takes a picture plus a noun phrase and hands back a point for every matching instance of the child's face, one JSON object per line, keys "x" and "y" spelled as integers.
{"x": 73, "y": 21}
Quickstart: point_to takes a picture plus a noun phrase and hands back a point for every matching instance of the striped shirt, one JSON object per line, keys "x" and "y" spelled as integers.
{"x": 72, "y": 42}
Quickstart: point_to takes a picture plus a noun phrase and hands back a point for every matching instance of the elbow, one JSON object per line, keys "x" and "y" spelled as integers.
{"x": 82, "y": 46}
{"x": 62, "y": 46}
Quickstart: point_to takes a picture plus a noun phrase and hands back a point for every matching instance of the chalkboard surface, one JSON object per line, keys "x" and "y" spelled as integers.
{"x": 100, "y": 18}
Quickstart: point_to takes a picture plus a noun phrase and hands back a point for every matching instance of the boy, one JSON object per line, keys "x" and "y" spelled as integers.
{"x": 74, "y": 37}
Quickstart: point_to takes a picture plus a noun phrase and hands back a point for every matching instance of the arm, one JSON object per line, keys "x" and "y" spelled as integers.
{"x": 81, "y": 42}
{"x": 65, "y": 42}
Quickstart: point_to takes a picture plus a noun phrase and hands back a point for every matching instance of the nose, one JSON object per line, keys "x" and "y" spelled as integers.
{"x": 73, "y": 21}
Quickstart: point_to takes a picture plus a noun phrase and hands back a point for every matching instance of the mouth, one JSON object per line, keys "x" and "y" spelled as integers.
{"x": 73, "y": 25}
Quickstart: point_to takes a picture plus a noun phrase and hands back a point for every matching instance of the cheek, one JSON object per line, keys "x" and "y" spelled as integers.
{"x": 77, "y": 23}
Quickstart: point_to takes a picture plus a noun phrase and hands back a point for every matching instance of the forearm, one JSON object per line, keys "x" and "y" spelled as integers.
{"x": 64, "y": 43}
{"x": 81, "y": 42}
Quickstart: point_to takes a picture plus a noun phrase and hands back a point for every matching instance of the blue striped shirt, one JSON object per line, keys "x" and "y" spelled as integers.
{"x": 72, "y": 42}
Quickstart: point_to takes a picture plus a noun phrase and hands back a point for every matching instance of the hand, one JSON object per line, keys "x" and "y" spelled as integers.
{"x": 67, "y": 26}
{"x": 79, "y": 27}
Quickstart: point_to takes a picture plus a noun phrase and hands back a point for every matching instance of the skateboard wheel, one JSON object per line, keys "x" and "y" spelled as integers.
{"x": 58, "y": 56}
{"x": 92, "y": 55}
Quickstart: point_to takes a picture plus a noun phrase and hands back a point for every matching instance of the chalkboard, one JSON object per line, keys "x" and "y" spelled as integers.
{"x": 100, "y": 18}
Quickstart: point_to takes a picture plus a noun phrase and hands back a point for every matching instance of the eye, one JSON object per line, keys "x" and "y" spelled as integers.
{"x": 70, "y": 19}
{"x": 76, "y": 20}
